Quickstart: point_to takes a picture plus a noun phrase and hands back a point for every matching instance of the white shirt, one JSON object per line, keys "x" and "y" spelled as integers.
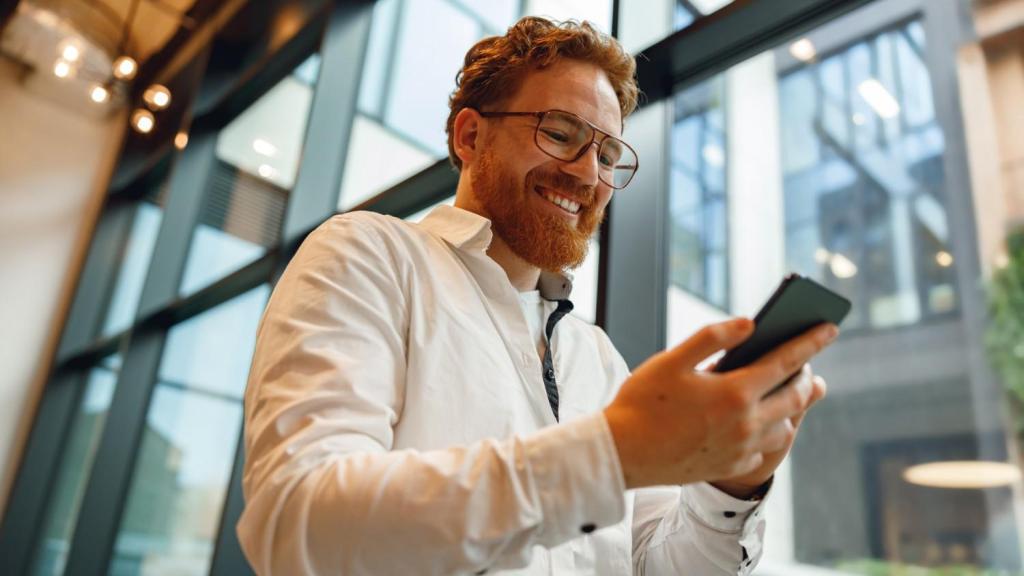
{"x": 396, "y": 422}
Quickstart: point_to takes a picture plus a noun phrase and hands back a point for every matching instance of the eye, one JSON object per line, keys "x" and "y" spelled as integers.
{"x": 556, "y": 135}
{"x": 606, "y": 161}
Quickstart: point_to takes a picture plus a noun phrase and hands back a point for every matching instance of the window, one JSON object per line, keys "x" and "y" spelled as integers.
{"x": 257, "y": 161}
{"x": 173, "y": 510}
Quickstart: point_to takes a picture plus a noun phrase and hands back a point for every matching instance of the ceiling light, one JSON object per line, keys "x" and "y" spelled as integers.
{"x": 944, "y": 259}
{"x": 821, "y": 256}
{"x": 266, "y": 171}
{"x": 803, "y": 49}
{"x": 263, "y": 147}
{"x": 157, "y": 97}
{"x": 99, "y": 94}
{"x": 878, "y": 98}
{"x": 181, "y": 140}
{"x": 143, "y": 121}
{"x": 842, "y": 267}
{"x": 70, "y": 51}
{"x": 962, "y": 474}
{"x": 125, "y": 68}
{"x": 62, "y": 69}
{"x": 859, "y": 119}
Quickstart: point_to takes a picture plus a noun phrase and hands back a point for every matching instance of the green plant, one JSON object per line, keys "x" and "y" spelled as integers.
{"x": 1004, "y": 338}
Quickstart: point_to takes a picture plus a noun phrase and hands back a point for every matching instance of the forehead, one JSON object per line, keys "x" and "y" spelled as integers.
{"x": 575, "y": 86}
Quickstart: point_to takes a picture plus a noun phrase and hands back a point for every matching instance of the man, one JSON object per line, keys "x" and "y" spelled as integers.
{"x": 420, "y": 403}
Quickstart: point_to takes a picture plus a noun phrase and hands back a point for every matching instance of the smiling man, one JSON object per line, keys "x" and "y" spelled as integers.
{"x": 421, "y": 402}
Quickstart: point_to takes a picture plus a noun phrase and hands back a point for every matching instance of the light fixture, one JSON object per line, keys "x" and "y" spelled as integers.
{"x": 125, "y": 68}
{"x": 157, "y": 97}
{"x": 99, "y": 94}
{"x": 880, "y": 100}
{"x": 62, "y": 68}
{"x": 962, "y": 474}
{"x": 70, "y": 50}
{"x": 1002, "y": 261}
{"x": 803, "y": 49}
{"x": 143, "y": 121}
{"x": 859, "y": 119}
{"x": 263, "y": 147}
{"x": 267, "y": 171}
{"x": 944, "y": 259}
{"x": 821, "y": 255}
{"x": 181, "y": 140}
{"x": 842, "y": 267}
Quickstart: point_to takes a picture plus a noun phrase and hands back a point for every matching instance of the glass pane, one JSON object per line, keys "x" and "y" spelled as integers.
{"x": 836, "y": 162}
{"x": 257, "y": 162}
{"x": 75, "y": 467}
{"x": 124, "y": 301}
{"x": 182, "y": 471}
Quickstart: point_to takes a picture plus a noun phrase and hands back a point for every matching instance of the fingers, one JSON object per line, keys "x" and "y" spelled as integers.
{"x": 763, "y": 375}
{"x": 792, "y": 399}
{"x": 709, "y": 340}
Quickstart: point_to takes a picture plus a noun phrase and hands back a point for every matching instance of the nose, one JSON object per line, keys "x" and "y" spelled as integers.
{"x": 585, "y": 167}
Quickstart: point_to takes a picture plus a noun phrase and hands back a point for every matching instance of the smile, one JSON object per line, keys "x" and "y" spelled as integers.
{"x": 560, "y": 201}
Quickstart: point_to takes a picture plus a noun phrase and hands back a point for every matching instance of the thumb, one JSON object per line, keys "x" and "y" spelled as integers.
{"x": 710, "y": 339}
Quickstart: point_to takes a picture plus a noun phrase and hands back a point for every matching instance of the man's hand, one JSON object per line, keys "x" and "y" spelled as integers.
{"x": 748, "y": 484}
{"x": 673, "y": 424}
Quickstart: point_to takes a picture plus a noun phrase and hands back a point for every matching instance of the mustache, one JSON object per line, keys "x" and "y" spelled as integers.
{"x": 565, "y": 184}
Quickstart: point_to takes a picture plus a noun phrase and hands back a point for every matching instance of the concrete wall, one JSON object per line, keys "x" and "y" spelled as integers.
{"x": 54, "y": 167}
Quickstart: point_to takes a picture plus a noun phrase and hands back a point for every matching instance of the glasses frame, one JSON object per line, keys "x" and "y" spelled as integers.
{"x": 594, "y": 131}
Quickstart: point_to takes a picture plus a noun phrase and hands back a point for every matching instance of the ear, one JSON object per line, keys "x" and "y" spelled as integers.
{"x": 466, "y": 135}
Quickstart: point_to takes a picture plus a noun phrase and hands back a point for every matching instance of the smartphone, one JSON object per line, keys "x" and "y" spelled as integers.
{"x": 797, "y": 305}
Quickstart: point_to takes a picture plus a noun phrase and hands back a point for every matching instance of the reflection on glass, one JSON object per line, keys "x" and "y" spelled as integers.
{"x": 697, "y": 200}
{"x": 188, "y": 446}
{"x": 75, "y": 466}
{"x": 834, "y": 161}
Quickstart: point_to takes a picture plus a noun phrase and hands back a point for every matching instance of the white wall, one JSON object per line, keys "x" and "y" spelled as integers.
{"x": 54, "y": 166}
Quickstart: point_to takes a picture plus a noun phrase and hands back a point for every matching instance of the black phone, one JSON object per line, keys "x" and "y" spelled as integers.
{"x": 797, "y": 305}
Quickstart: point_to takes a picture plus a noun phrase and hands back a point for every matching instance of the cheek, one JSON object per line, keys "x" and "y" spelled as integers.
{"x": 603, "y": 196}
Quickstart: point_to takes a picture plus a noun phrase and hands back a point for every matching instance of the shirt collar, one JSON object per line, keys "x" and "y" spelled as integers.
{"x": 469, "y": 231}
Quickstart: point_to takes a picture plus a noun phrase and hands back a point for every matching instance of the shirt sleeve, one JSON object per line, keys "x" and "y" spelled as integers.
{"x": 326, "y": 494}
{"x": 692, "y": 529}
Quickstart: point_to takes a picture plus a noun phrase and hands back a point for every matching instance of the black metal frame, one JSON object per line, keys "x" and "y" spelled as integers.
{"x": 633, "y": 277}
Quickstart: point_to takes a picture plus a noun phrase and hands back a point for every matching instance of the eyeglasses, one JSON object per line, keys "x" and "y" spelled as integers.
{"x": 567, "y": 137}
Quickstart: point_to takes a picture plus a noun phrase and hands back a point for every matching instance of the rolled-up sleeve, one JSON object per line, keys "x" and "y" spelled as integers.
{"x": 326, "y": 494}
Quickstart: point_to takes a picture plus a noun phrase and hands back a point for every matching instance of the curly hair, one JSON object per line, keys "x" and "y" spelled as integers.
{"x": 494, "y": 66}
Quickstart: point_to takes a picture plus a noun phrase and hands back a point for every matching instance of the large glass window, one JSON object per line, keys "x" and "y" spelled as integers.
{"x": 829, "y": 156}
{"x": 258, "y": 157}
{"x": 188, "y": 445}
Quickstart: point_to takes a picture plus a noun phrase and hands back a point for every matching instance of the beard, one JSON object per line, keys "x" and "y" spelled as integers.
{"x": 547, "y": 241}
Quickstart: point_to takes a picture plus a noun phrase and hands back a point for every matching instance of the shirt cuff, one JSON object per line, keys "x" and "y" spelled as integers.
{"x": 718, "y": 510}
{"x": 578, "y": 477}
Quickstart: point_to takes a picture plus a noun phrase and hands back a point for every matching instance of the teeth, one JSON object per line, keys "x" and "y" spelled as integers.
{"x": 564, "y": 203}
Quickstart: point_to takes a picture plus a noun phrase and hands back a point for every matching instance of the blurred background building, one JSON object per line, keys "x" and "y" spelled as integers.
{"x": 160, "y": 161}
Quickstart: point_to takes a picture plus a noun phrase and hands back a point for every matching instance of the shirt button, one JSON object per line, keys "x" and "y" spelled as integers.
{"x": 588, "y": 528}
{"x": 549, "y": 374}
{"x": 730, "y": 514}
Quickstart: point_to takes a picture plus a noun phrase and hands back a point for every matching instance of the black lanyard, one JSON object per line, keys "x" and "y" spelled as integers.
{"x": 564, "y": 307}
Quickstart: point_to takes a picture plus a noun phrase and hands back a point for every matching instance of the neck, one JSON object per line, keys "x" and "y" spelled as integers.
{"x": 523, "y": 275}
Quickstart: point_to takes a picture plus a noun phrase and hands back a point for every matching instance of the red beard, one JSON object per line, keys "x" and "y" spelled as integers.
{"x": 544, "y": 240}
